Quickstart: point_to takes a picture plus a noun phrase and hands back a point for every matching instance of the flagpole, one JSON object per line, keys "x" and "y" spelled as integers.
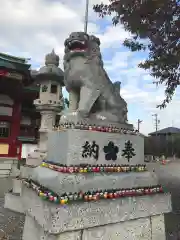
{"x": 86, "y": 16}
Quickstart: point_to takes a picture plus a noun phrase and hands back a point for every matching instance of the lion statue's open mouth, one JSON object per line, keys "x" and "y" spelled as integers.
{"x": 77, "y": 42}
{"x": 76, "y": 46}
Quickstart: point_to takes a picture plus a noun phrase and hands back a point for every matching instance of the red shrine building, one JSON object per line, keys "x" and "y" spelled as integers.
{"x": 19, "y": 120}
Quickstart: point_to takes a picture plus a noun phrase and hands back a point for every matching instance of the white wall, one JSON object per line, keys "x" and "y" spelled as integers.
{"x": 27, "y": 148}
{"x": 6, "y": 99}
{"x": 6, "y": 111}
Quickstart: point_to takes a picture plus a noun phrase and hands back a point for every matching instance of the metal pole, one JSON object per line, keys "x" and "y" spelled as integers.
{"x": 156, "y": 127}
{"x": 139, "y": 122}
{"x": 86, "y": 16}
{"x": 156, "y": 121}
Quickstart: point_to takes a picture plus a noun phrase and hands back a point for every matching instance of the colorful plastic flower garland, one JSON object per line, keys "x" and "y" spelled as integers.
{"x": 94, "y": 168}
{"x": 82, "y": 126}
{"x": 66, "y": 198}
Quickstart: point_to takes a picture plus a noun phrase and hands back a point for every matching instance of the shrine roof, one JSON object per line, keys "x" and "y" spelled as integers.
{"x": 168, "y": 130}
{"x": 12, "y": 62}
{"x": 32, "y": 88}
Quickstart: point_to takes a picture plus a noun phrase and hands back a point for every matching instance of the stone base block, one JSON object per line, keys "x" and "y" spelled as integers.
{"x": 33, "y": 231}
{"x": 13, "y": 202}
{"x": 150, "y": 228}
{"x": 62, "y": 182}
{"x": 17, "y": 186}
{"x": 66, "y": 147}
{"x": 56, "y": 219}
{"x": 139, "y": 229}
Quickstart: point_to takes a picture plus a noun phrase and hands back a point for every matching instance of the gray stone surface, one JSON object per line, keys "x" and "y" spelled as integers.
{"x": 51, "y": 69}
{"x": 63, "y": 182}
{"x": 6, "y": 218}
{"x": 6, "y": 184}
{"x": 33, "y": 231}
{"x": 92, "y": 94}
{"x": 65, "y": 147}
{"x": 17, "y": 185}
{"x": 158, "y": 227}
{"x": 36, "y": 157}
{"x": 56, "y": 219}
{"x": 13, "y": 202}
{"x": 26, "y": 171}
{"x": 139, "y": 229}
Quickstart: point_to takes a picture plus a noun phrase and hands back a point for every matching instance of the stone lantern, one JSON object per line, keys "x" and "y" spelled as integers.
{"x": 50, "y": 101}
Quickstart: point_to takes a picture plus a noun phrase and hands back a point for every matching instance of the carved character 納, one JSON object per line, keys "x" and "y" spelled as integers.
{"x": 90, "y": 150}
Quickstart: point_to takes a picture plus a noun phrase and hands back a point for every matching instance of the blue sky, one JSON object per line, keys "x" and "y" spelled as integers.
{"x": 32, "y": 28}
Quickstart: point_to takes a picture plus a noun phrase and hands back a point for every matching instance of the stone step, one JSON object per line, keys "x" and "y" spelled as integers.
{"x": 4, "y": 176}
{"x": 8, "y": 160}
{"x": 5, "y": 172}
{"x": 13, "y": 202}
{"x": 4, "y": 166}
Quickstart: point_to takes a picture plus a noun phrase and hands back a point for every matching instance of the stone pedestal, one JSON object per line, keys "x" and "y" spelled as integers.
{"x": 133, "y": 217}
{"x": 150, "y": 228}
{"x": 66, "y": 147}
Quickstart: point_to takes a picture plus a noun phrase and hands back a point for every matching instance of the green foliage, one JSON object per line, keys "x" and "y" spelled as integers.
{"x": 157, "y": 23}
{"x": 65, "y": 103}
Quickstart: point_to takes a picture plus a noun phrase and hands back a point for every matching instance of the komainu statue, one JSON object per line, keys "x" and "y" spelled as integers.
{"x": 92, "y": 95}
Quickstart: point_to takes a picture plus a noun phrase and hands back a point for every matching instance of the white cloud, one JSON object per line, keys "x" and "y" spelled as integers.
{"x": 120, "y": 60}
{"x": 113, "y": 37}
{"x": 33, "y": 28}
